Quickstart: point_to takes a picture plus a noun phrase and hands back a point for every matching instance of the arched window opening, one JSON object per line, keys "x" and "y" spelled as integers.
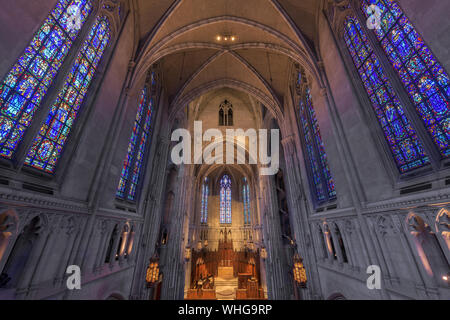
{"x": 225, "y": 200}
{"x": 110, "y": 250}
{"x": 322, "y": 182}
{"x": 226, "y": 114}
{"x": 336, "y": 296}
{"x": 428, "y": 249}
{"x": 49, "y": 143}
{"x": 115, "y": 296}
{"x": 230, "y": 117}
{"x": 341, "y": 244}
{"x": 20, "y": 254}
{"x": 426, "y": 82}
{"x": 27, "y": 83}
{"x": 405, "y": 146}
{"x": 204, "y": 209}
{"x": 246, "y": 200}
{"x": 221, "y": 117}
{"x": 139, "y": 144}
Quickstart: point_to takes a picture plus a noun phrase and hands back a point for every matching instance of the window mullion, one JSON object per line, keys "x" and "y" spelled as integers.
{"x": 410, "y": 110}
{"x": 41, "y": 114}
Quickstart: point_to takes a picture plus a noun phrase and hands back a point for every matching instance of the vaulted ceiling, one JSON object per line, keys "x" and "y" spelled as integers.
{"x": 270, "y": 36}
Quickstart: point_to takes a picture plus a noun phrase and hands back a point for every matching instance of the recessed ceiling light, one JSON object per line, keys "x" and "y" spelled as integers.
{"x": 226, "y": 37}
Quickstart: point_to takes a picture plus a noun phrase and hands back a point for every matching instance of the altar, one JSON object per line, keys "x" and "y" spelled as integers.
{"x": 225, "y": 273}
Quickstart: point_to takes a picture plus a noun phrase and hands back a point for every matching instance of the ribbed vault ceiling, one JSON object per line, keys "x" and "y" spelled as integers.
{"x": 181, "y": 35}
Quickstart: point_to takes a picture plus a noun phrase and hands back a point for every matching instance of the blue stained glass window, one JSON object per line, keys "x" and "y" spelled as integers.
{"x": 425, "y": 80}
{"x": 27, "y": 83}
{"x": 48, "y": 145}
{"x": 402, "y": 139}
{"x": 225, "y": 200}
{"x": 246, "y": 198}
{"x": 317, "y": 159}
{"x": 205, "y": 194}
{"x": 137, "y": 148}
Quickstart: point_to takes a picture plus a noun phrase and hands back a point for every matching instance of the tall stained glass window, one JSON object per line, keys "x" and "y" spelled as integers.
{"x": 246, "y": 198}
{"x": 48, "y": 145}
{"x": 24, "y": 87}
{"x": 205, "y": 194}
{"x": 402, "y": 139}
{"x": 323, "y": 182}
{"x": 225, "y": 200}
{"x": 137, "y": 148}
{"x": 424, "y": 79}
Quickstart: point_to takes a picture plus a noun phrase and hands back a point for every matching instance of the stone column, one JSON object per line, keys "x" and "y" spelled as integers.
{"x": 153, "y": 211}
{"x": 298, "y": 213}
{"x": 173, "y": 266}
{"x": 279, "y": 287}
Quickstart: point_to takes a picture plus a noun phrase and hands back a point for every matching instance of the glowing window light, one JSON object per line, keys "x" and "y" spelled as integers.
{"x": 48, "y": 146}
{"x": 402, "y": 139}
{"x": 27, "y": 83}
{"x": 225, "y": 200}
{"x": 424, "y": 79}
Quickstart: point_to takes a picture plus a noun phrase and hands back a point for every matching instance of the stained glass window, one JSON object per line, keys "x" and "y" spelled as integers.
{"x": 24, "y": 87}
{"x": 402, "y": 139}
{"x": 49, "y": 143}
{"x": 246, "y": 198}
{"x": 317, "y": 159}
{"x": 425, "y": 80}
{"x": 140, "y": 139}
{"x": 205, "y": 194}
{"x": 225, "y": 200}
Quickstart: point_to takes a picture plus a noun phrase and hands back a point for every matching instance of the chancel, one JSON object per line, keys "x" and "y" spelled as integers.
{"x": 342, "y": 192}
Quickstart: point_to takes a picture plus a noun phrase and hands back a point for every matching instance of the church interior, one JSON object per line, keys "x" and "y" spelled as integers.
{"x": 93, "y": 91}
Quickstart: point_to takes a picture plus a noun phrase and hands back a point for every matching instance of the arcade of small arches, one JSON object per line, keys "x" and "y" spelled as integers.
{"x": 87, "y": 177}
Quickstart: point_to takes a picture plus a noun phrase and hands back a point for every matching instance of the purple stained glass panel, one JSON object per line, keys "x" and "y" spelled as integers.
{"x": 47, "y": 147}
{"x": 24, "y": 87}
{"x": 425, "y": 81}
{"x": 225, "y": 200}
{"x": 137, "y": 149}
{"x": 402, "y": 139}
{"x": 322, "y": 180}
{"x": 204, "y": 209}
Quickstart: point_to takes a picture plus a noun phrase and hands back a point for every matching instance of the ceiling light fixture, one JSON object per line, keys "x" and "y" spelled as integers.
{"x": 226, "y": 37}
